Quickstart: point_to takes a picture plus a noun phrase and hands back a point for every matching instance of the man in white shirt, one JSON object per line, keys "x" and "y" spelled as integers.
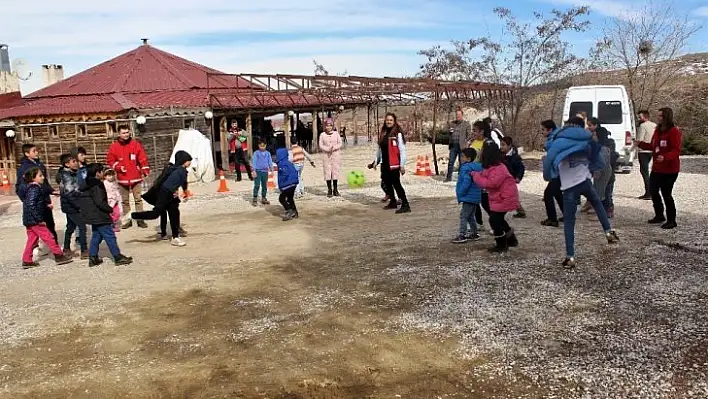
{"x": 645, "y": 131}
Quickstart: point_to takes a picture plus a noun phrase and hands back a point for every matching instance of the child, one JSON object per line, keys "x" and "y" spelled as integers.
{"x": 469, "y": 195}
{"x": 298, "y": 158}
{"x": 34, "y": 209}
{"x": 516, "y": 166}
{"x": 31, "y": 160}
{"x": 262, "y": 163}
{"x": 287, "y": 181}
{"x": 79, "y": 153}
{"x": 114, "y": 198}
{"x": 96, "y": 212}
{"x": 166, "y": 197}
{"x": 67, "y": 179}
{"x": 503, "y": 195}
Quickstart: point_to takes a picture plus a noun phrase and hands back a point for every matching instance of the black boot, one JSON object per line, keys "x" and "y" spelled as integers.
{"x": 122, "y": 260}
{"x": 94, "y": 261}
{"x": 329, "y": 188}
{"x": 335, "y": 192}
{"x": 392, "y": 204}
{"x": 502, "y": 245}
{"x": 511, "y": 239}
{"x": 405, "y": 208}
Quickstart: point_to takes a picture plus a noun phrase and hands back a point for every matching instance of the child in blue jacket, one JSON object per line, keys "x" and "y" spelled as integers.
{"x": 261, "y": 164}
{"x": 469, "y": 195}
{"x": 287, "y": 182}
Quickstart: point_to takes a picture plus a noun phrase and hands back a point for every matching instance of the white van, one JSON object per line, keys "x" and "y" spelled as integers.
{"x": 611, "y": 106}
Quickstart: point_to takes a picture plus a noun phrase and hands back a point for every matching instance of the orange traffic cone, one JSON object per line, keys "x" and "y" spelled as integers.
{"x": 419, "y": 166}
{"x": 426, "y": 167}
{"x": 5, "y": 181}
{"x": 271, "y": 178}
{"x": 222, "y": 183}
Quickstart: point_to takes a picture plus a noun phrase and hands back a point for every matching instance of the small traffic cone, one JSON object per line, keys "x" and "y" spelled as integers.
{"x": 426, "y": 167}
{"x": 419, "y": 166}
{"x": 271, "y": 178}
{"x": 222, "y": 183}
{"x": 5, "y": 181}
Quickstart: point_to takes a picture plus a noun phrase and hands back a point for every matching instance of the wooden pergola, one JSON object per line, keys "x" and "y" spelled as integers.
{"x": 307, "y": 92}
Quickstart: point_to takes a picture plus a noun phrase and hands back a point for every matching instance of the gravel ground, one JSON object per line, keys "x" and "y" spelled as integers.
{"x": 630, "y": 322}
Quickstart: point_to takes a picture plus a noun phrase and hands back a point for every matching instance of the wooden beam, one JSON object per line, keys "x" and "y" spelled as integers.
{"x": 249, "y": 134}
{"x": 315, "y": 138}
{"x": 224, "y": 144}
{"x": 286, "y": 128}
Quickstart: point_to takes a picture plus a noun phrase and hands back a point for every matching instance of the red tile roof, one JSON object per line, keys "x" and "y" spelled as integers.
{"x": 9, "y": 100}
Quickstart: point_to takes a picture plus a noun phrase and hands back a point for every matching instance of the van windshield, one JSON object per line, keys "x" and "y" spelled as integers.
{"x": 609, "y": 112}
{"x": 578, "y": 107}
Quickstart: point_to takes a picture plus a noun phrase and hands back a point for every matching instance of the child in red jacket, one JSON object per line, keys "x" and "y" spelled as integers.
{"x": 503, "y": 195}
{"x": 666, "y": 148}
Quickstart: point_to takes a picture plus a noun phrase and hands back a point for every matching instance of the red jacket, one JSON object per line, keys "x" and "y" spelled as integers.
{"x": 668, "y": 145}
{"x": 129, "y": 161}
{"x": 501, "y": 186}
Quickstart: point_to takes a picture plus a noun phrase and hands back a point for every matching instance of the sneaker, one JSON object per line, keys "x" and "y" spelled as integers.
{"x": 295, "y": 214}
{"x": 62, "y": 259}
{"x": 29, "y": 265}
{"x": 460, "y": 240}
{"x": 84, "y": 255}
{"x": 142, "y": 224}
{"x": 177, "y": 242}
{"x": 669, "y": 225}
{"x": 569, "y": 263}
{"x": 612, "y": 237}
{"x": 122, "y": 260}
{"x": 550, "y": 223}
{"x": 405, "y": 208}
{"x": 265, "y": 201}
{"x": 657, "y": 220}
{"x": 287, "y": 216}
{"x": 254, "y": 201}
{"x": 127, "y": 225}
{"x": 473, "y": 236}
{"x": 95, "y": 261}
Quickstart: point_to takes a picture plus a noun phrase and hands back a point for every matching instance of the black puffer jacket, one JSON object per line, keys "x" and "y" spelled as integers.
{"x": 94, "y": 203}
{"x": 34, "y": 206}
{"x": 68, "y": 181}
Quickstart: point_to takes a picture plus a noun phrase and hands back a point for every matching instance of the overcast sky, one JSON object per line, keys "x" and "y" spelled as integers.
{"x": 361, "y": 37}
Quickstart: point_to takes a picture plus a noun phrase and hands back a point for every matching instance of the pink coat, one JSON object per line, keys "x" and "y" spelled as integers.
{"x": 113, "y": 193}
{"x": 501, "y": 186}
{"x": 331, "y": 162}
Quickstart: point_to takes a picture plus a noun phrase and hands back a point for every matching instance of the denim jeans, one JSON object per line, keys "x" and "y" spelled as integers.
{"x": 103, "y": 232}
{"x": 73, "y": 223}
{"x": 455, "y": 153}
{"x": 261, "y": 182}
{"x": 300, "y": 189}
{"x": 467, "y": 218}
{"x": 570, "y": 207}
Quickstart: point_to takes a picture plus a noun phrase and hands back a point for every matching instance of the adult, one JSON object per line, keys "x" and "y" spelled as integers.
{"x": 603, "y": 177}
{"x": 238, "y": 149}
{"x": 666, "y": 148}
{"x": 573, "y": 156}
{"x": 331, "y": 146}
{"x": 391, "y": 154}
{"x": 553, "y": 187}
{"x": 460, "y": 135}
{"x": 127, "y": 157}
{"x": 645, "y": 131}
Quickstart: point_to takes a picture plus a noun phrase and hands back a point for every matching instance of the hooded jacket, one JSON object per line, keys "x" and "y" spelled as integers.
{"x": 501, "y": 186}
{"x": 467, "y": 190}
{"x": 129, "y": 160}
{"x": 567, "y": 141}
{"x": 287, "y": 174}
{"x": 94, "y": 202}
{"x": 21, "y": 184}
{"x": 172, "y": 177}
{"x": 34, "y": 205}
{"x": 67, "y": 179}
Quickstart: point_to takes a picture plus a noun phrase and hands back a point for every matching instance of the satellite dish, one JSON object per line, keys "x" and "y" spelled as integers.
{"x": 21, "y": 69}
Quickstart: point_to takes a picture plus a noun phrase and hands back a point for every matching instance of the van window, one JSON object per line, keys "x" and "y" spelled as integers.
{"x": 578, "y": 107}
{"x": 609, "y": 112}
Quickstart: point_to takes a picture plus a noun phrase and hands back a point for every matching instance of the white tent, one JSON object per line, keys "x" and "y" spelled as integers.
{"x": 199, "y": 147}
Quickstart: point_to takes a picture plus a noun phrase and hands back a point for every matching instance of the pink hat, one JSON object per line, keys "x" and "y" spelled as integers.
{"x": 329, "y": 121}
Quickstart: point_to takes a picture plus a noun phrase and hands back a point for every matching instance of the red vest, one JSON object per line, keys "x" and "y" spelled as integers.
{"x": 394, "y": 153}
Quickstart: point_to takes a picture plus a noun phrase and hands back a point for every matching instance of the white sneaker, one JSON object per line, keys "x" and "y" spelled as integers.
{"x": 177, "y": 242}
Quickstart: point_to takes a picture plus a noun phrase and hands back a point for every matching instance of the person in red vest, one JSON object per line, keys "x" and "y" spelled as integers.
{"x": 391, "y": 154}
{"x": 127, "y": 157}
{"x": 238, "y": 148}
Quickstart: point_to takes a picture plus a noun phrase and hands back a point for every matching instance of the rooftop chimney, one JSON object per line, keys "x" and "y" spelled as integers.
{"x": 52, "y": 74}
{"x": 145, "y": 41}
{"x": 4, "y": 59}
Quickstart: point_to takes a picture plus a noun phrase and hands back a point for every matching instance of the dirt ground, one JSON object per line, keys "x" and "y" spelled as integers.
{"x": 257, "y": 308}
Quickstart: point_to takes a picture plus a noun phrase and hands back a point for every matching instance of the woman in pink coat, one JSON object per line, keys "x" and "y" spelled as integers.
{"x": 331, "y": 145}
{"x": 503, "y": 195}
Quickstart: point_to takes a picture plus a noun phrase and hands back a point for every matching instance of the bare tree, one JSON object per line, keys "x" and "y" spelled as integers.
{"x": 320, "y": 70}
{"x": 526, "y": 54}
{"x": 646, "y": 45}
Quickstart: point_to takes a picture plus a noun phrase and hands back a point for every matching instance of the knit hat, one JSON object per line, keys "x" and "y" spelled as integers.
{"x": 181, "y": 157}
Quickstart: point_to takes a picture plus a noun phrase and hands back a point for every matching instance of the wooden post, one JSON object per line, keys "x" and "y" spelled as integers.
{"x": 286, "y": 129}
{"x": 356, "y": 134}
{"x": 249, "y": 134}
{"x": 224, "y": 144}
{"x": 315, "y": 137}
{"x": 435, "y": 133}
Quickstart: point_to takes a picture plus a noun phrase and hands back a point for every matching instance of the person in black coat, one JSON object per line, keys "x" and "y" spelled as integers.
{"x": 96, "y": 212}
{"x": 164, "y": 195}
{"x": 516, "y": 166}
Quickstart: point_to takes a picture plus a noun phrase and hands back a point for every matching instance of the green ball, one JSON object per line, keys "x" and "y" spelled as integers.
{"x": 356, "y": 178}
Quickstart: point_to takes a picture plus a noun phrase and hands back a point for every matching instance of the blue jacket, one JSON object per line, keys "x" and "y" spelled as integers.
{"x": 466, "y": 190}
{"x": 287, "y": 174}
{"x": 567, "y": 141}
{"x": 34, "y": 205}
{"x": 175, "y": 178}
{"x": 21, "y": 185}
{"x": 69, "y": 189}
{"x": 262, "y": 161}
